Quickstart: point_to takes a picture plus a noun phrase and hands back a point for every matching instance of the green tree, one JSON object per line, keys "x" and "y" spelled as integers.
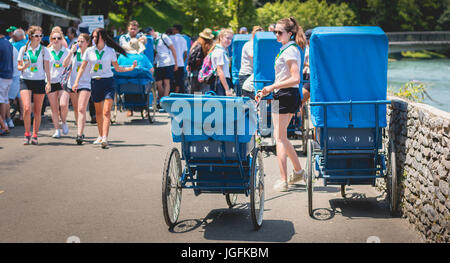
{"x": 309, "y": 14}
{"x": 242, "y": 13}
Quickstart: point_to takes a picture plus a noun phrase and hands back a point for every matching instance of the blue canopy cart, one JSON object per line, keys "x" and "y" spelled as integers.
{"x": 265, "y": 50}
{"x": 218, "y": 149}
{"x": 348, "y": 110}
{"x": 238, "y": 43}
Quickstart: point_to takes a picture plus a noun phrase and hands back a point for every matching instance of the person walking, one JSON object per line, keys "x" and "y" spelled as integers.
{"x": 100, "y": 58}
{"x": 165, "y": 59}
{"x": 6, "y": 76}
{"x": 83, "y": 91}
{"x": 247, "y": 62}
{"x": 34, "y": 64}
{"x": 221, "y": 63}
{"x": 180, "y": 45}
{"x": 197, "y": 53}
{"x": 58, "y": 53}
{"x": 287, "y": 93}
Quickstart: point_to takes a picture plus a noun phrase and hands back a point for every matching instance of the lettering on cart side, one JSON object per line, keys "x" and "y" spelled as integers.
{"x": 198, "y": 253}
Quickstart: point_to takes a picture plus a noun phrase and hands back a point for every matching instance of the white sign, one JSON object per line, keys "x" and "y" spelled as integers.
{"x": 93, "y": 22}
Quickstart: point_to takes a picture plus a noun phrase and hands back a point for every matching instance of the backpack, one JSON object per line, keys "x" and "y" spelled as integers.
{"x": 195, "y": 58}
{"x": 207, "y": 73}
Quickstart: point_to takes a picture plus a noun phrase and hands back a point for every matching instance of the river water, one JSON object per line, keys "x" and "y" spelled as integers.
{"x": 434, "y": 72}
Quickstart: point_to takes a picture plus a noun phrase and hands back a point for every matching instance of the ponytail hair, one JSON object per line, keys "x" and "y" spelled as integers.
{"x": 108, "y": 40}
{"x": 222, "y": 33}
{"x": 291, "y": 25}
{"x": 31, "y": 30}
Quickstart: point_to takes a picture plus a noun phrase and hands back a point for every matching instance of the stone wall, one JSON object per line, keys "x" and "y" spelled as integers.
{"x": 421, "y": 135}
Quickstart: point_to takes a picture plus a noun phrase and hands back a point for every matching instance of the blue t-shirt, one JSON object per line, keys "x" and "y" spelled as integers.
{"x": 19, "y": 44}
{"x": 6, "y": 59}
{"x": 142, "y": 61}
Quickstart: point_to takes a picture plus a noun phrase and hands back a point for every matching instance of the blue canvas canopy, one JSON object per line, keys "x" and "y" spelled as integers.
{"x": 206, "y": 117}
{"x": 265, "y": 50}
{"x": 348, "y": 64}
{"x": 238, "y": 43}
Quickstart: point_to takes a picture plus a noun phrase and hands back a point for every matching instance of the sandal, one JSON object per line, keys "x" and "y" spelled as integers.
{"x": 34, "y": 140}
{"x": 26, "y": 140}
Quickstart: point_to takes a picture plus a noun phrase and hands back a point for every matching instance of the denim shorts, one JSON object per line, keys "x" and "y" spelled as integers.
{"x": 102, "y": 89}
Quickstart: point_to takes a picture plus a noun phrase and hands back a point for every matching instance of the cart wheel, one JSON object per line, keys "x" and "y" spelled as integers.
{"x": 392, "y": 180}
{"x": 305, "y": 125}
{"x": 231, "y": 200}
{"x": 343, "y": 191}
{"x": 154, "y": 103}
{"x": 171, "y": 187}
{"x": 309, "y": 174}
{"x": 257, "y": 189}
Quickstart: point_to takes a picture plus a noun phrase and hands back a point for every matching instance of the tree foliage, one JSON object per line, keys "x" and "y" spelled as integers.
{"x": 309, "y": 14}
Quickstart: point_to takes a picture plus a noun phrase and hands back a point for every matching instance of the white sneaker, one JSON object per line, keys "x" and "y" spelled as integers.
{"x": 104, "y": 142}
{"x": 281, "y": 186}
{"x": 65, "y": 128}
{"x": 57, "y": 134}
{"x": 10, "y": 123}
{"x": 296, "y": 177}
{"x": 98, "y": 141}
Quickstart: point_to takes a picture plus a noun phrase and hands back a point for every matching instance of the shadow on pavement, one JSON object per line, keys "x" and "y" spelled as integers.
{"x": 235, "y": 225}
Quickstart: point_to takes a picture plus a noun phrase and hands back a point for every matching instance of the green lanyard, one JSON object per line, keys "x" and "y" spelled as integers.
{"x": 79, "y": 56}
{"x": 34, "y": 57}
{"x": 57, "y": 57}
{"x": 99, "y": 55}
{"x": 281, "y": 52}
{"x": 98, "y": 66}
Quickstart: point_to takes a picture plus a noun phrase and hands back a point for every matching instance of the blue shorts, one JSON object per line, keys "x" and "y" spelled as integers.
{"x": 13, "y": 92}
{"x": 164, "y": 73}
{"x": 102, "y": 89}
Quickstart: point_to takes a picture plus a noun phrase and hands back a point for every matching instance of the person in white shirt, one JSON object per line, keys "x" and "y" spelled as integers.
{"x": 100, "y": 58}
{"x": 133, "y": 32}
{"x": 57, "y": 55}
{"x": 83, "y": 91}
{"x": 165, "y": 58}
{"x": 33, "y": 62}
{"x": 221, "y": 63}
{"x": 180, "y": 45}
{"x": 14, "y": 89}
{"x": 247, "y": 62}
{"x": 287, "y": 93}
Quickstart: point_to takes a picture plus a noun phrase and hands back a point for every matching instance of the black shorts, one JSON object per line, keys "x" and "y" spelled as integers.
{"x": 102, "y": 89}
{"x": 36, "y": 86}
{"x": 179, "y": 77}
{"x": 164, "y": 73}
{"x": 289, "y": 100}
{"x": 56, "y": 87}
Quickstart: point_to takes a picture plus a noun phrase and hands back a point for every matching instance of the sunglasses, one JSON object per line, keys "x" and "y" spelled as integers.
{"x": 56, "y": 38}
{"x": 37, "y": 35}
{"x": 277, "y": 32}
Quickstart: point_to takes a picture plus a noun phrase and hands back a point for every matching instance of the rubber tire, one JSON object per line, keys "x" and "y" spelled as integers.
{"x": 393, "y": 181}
{"x": 257, "y": 163}
{"x": 305, "y": 125}
{"x": 309, "y": 177}
{"x": 231, "y": 199}
{"x": 166, "y": 183}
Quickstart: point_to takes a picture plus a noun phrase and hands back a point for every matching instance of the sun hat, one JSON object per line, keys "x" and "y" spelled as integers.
{"x": 206, "y": 34}
{"x": 134, "y": 46}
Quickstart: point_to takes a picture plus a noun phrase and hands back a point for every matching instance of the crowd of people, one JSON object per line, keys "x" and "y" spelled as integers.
{"x": 78, "y": 68}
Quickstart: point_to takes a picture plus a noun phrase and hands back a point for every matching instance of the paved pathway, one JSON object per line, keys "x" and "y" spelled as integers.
{"x": 58, "y": 189}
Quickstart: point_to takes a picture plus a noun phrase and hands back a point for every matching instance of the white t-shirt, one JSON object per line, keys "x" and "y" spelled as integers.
{"x": 180, "y": 45}
{"x": 247, "y": 59}
{"x": 85, "y": 80}
{"x": 164, "y": 55}
{"x": 56, "y": 61}
{"x": 219, "y": 57}
{"x": 287, "y": 52}
{"x": 125, "y": 39}
{"x": 100, "y": 61}
{"x": 36, "y": 70}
